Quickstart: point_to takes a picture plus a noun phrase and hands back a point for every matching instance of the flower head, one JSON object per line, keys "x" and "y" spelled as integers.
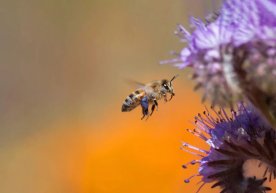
{"x": 234, "y": 56}
{"x": 233, "y": 139}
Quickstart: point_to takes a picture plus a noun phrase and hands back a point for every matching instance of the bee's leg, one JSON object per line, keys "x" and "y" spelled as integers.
{"x": 148, "y": 116}
{"x": 156, "y": 104}
{"x": 171, "y": 96}
{"x": 165, "y": 97}
{"x": 145, "y": 112}
{"x": 143, "y": 117}
{"x": 145, "y": 106}
{"x": 152, "y": 109}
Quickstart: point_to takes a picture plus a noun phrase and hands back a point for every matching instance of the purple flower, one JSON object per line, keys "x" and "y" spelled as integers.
{"x": 233, "y": 139}
{"x": 233, "y": 57}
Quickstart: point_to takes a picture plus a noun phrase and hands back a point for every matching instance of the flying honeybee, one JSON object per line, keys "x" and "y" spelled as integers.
{"x": 149, "y": 94}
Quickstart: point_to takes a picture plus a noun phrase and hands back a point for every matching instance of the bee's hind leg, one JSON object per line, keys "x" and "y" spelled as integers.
{"x": 156, "y": 104}
{"x": 145, "y": 113}
{"x": 145, "y": 107}
{"x": 152, "y": 109}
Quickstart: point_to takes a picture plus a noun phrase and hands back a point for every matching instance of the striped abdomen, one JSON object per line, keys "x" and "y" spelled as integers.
{"x": 133, "y": 100}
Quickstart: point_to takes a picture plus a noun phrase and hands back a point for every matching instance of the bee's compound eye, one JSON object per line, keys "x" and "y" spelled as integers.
{"x": 166, "y": 86}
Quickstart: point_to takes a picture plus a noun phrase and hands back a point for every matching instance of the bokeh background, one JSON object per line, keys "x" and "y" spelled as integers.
{"x": 63, "y": 66}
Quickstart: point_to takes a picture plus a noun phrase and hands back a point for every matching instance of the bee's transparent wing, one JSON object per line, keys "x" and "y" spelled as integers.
{"x": 135, "y": 83}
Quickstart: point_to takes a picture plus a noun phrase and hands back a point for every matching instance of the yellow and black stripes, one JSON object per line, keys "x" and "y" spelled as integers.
{"x": 133, "y": 100}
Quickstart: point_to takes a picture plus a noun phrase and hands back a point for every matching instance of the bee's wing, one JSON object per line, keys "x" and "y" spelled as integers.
{"x": 135, "y": 83}
{"x": 148, "y": 89}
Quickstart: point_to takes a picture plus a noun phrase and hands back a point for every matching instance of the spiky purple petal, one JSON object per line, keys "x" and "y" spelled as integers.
{"x": 233, "y": 138}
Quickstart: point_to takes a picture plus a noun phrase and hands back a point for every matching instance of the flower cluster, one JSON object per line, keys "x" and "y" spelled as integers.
{"x": 233, "y": 57}
{"x": 233, "y": 140}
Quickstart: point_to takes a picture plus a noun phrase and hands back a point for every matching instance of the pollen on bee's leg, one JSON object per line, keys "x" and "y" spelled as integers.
{"x": 145, "y": 106}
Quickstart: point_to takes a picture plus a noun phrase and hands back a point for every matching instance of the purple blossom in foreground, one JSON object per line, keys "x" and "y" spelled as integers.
{"x": 233, "y": 139}
{"x": 233, "y": 57}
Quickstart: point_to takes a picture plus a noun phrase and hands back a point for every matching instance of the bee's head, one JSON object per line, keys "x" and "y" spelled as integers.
{"x": 167, "y": 86}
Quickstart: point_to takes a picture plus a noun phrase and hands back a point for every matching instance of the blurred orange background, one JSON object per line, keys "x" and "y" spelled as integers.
{"x": 63, "y": 70}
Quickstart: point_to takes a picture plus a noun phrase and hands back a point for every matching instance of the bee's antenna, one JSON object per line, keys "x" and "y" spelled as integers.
{"x": 173, "y": 78}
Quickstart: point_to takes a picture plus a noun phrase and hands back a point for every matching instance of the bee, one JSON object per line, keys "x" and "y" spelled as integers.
{"x": 149, "y": 94}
